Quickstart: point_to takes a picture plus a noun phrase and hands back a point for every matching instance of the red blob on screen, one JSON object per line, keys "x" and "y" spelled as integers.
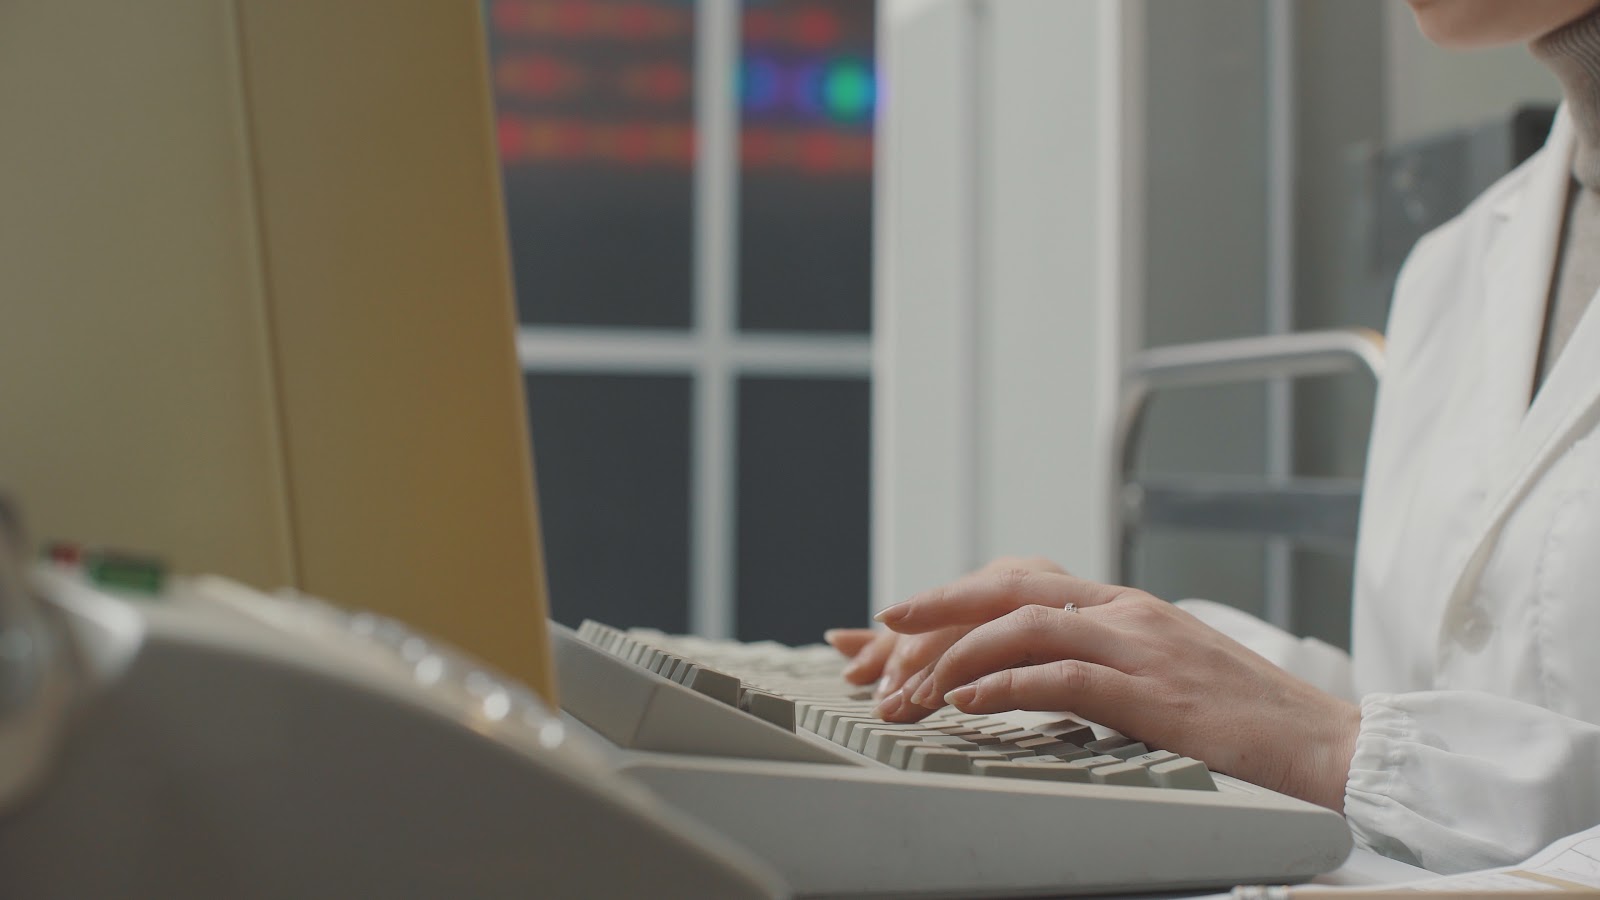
{"x": 814, "y": 28}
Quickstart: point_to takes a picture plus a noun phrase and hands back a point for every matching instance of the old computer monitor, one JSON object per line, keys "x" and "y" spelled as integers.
{"x": 255, "y": 307}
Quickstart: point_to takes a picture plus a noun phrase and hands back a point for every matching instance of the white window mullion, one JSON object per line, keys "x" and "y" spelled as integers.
{"x": 1280, "y": 89}
{"x": 632, "y": 351}
{"x": 711, "y": 606}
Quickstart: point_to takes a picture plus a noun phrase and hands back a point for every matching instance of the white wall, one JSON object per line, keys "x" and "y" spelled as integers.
{"x": 1000, "y": 276}
{"x": 1431, "y": 90}
{"x": 1043, "y": 366}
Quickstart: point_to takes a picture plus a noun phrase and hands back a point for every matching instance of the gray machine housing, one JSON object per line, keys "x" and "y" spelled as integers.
{"x": 224, "y": 743}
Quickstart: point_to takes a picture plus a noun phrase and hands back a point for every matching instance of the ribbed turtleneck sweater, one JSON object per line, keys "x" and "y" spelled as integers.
{"x": 1572, "y": 52}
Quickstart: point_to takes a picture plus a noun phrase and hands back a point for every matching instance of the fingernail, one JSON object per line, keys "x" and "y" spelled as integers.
{"x": 914, "y": 681}
{"x": 831, "y": 634}
{"x": 881, "y": 688}
{"x": 925, "y": 693}
{"x": 893, "y": 614}
{"x": 961, "y": 696}
{"x": 850, "y": 670}
{"x": 889, "y": 705}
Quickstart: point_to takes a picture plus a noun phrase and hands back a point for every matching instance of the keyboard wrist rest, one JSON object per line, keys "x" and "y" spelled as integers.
{"x": 1020, "y": 834}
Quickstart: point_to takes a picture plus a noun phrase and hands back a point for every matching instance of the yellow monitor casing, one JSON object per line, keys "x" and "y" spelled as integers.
{"x": 255, "y": 309}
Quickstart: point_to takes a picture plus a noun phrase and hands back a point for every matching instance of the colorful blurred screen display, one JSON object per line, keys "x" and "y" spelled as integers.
{"x": 808, "y": 90}
{"x": 596, "y": 131}
{"x": 596, "y": 128}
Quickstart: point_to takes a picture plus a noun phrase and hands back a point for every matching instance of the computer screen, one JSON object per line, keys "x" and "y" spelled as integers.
{"x": 257, "y": 314}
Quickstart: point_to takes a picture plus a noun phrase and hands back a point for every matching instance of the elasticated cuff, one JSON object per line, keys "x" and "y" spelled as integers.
{"x": 1387, "y": 737}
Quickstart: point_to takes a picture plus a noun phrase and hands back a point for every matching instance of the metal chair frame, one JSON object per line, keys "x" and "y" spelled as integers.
{"x": 1302, "y": 510}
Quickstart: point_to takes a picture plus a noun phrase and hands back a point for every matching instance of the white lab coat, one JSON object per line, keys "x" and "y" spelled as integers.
{"x": 1477, "y": 601}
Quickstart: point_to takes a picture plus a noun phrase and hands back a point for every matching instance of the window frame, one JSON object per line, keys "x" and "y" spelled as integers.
{"x": 713, "y": 352}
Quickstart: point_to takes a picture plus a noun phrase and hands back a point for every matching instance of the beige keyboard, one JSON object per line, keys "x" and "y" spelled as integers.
{"x": 800, "y": 688}
{"x": 769, "y": 746}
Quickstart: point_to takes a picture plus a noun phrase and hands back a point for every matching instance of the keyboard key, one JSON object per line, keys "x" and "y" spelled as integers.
{"x": 943, "y": 759}
{"x": 828, "y": 717}
{"x": 815, "y": 714}
{"x": 1154, "y": 756}
{"x": 1093, "y": 762}
{"x": 903, "y": 749}
{"x": 1009, "y": 733}
{"x": 1067, "y": 753}
{"x": 845, "y": 732}
{"x": 1048, "y": 746}
{"x": 1183, "y": 774}
{"x": 1023, "y": 769}
{"x": 1121, "y": 773}
{"x": 834, "y": 722}
{"x": 987, "y": 723}
{"x": 713, "y": 684}
{"x": 863, "y": 733}
{"x": 880, "y": 742}
{"x": 1038, "y": 761}
{"x": 1069, "y": 730}
{"x": 769, "y": 707}
{"x": 810, "y": 712}
{"x": 1120, "y": 747}
{"x": 938, "y": 759}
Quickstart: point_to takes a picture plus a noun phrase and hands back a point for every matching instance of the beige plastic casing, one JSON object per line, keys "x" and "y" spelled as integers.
{"x": 255, "y": 311}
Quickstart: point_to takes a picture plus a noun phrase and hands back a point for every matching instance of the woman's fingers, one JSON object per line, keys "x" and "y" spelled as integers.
{"x": 914, "y": 652}
{"x": 1026, "y": 637}
{"x": 1035, "y": 563}
{"x": 849, "y": 641}
{"x": 987, "y": 595}
{"x": 867, "y": 666}
{"x": 1100, "y": 693}
{"x": 1131, "y": 662}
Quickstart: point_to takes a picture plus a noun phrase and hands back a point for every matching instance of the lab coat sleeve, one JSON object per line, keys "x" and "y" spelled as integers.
{"x": 1460, "y": 780}
{"x": 1324, "y": 665}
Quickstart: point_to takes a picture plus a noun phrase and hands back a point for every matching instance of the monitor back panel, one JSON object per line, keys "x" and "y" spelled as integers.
{"x": 255, "y": 313}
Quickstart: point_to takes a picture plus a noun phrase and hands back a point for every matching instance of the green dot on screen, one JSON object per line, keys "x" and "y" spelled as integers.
{"x": 847, "y": 90}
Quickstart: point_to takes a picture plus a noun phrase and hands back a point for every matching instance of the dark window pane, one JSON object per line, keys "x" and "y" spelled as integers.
{"x": 803, "y": 514}
{"x": 612, "y": 454}
{"x": 597, "y": 142}
{"x": 808, "y": 86}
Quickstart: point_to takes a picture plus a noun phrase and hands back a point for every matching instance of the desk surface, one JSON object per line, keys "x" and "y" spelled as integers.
{"x": 1367, "y": 868}
{"x": 1363, "y": 869}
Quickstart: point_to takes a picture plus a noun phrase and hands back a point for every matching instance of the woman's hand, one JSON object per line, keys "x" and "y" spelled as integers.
{"x": 1131, "y": 662}
{"x": 889, "y": 658}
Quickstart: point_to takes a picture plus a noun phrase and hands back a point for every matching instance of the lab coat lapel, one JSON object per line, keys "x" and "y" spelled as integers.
{"x": 1516, "y": 283}
{"x": 1564, "y": 402}
{"x": 1517, "y": 273}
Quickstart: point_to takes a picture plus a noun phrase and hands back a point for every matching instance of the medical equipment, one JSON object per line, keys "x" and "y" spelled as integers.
{"x": 230, "y": 743}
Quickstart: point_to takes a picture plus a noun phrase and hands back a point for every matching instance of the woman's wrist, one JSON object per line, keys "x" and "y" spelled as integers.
{"x": 1326, "y": 765}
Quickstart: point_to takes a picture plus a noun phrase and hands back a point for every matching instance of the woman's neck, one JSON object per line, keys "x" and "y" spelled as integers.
{"x": 1573, "y": 53}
